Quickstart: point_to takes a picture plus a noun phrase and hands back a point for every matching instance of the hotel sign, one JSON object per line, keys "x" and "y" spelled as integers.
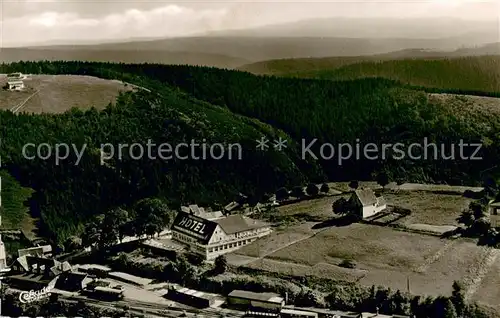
{"x": 192, "y": 225}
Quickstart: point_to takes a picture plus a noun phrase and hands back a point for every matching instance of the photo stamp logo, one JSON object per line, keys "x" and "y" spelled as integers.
{"x": 27, "y": 297}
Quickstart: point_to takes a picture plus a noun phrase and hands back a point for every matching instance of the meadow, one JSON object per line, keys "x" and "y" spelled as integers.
{"x": 58, "y": 93}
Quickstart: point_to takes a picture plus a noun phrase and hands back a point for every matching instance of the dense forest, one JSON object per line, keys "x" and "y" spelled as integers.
{"x": 222, "y": 106}
{"x": 467, "y": 73}
{"x": 472, "y": 73}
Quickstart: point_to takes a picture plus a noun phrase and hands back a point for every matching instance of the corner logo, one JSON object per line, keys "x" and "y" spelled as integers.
{"x": 26, "y": 297}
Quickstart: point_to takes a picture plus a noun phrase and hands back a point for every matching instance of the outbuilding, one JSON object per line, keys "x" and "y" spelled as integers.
{"x": 255, "y": 301}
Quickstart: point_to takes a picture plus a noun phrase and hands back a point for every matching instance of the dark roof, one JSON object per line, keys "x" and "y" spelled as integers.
{"x": 237, "y": 223}
{"x": 31, "y": 278}
{"x": 70, "y": 280}
{"x": 366, "y": 196}
{"x": 194, "y": 227}
{"x": 264, "y": 297}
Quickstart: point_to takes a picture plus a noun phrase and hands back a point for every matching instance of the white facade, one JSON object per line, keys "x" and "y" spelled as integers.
{"x": 494, "y": 211}
{"x": 16, "y": 85}
{"x": 367, "y": 204}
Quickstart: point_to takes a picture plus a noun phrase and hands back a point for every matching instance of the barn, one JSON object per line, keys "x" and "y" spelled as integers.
{"x": 366, "y": 204}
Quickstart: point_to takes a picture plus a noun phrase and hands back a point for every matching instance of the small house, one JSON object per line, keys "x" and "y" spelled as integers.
{"x": 366, "y": 204}
{"x": 16, "y": 85}
{"x": 494, "y": 212}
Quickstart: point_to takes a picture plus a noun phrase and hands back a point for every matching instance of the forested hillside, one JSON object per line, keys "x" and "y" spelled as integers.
{"x": 12, "y": 209}
{"x": 474, "y": 73}
{"x": 228, "y": 107}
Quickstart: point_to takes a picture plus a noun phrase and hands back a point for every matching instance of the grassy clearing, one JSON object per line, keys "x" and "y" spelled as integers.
{"x": 321, "y": 208}
{"x": 278, "y": 239}
{"x": 322, "y": 270}
{"x": 370, "y": 246}
{"x": 58, "y": 93}
{"x": 383, "y": 256}
{"x": 429, "y": 208}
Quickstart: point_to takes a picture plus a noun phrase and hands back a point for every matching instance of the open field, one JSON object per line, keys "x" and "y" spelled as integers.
{"x": 320, "y": 207}
{"x": 383, "y": 256}
{"x": 429, "y": 208}
{"x": 58, "y": 93}
{"x": 277, "y": 240}
{"x": 323, "y": 270}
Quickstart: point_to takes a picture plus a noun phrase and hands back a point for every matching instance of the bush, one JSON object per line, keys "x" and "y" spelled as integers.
{"x": 312, "y": 189}
{"x": 348, "y": 263}
{"x": 325, "y": 188}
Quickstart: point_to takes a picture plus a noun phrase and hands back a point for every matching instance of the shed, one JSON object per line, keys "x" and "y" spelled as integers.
{"x": 191, "y": 297}
{"x": 266, "y": 301}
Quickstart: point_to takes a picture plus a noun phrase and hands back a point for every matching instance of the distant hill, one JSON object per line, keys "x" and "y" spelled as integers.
{"x": 488, "y": 49}
{"x": 98, "y": 53}
{"x": 226, "y": 51}
{"x": 450, "y": 32}
{"x": 314, "y": 38}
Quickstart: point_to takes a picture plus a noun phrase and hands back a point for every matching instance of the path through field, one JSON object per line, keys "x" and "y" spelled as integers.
{"x": 19, "y": 106}
{"x": 434, "y": 258}
{"x": 478, "y": 273}
{"x": 289, "y": 244}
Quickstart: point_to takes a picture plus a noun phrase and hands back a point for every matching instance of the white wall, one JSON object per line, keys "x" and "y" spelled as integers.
{"x": 218, "y": 236}
{"x": 380, "y": 208}
{"x": 369, "y": 211}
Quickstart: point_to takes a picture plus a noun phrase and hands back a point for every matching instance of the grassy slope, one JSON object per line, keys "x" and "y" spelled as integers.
{"x": 57, "y": 94}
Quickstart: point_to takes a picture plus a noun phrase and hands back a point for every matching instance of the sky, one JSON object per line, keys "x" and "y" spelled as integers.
{"x": 27, "y": 21}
